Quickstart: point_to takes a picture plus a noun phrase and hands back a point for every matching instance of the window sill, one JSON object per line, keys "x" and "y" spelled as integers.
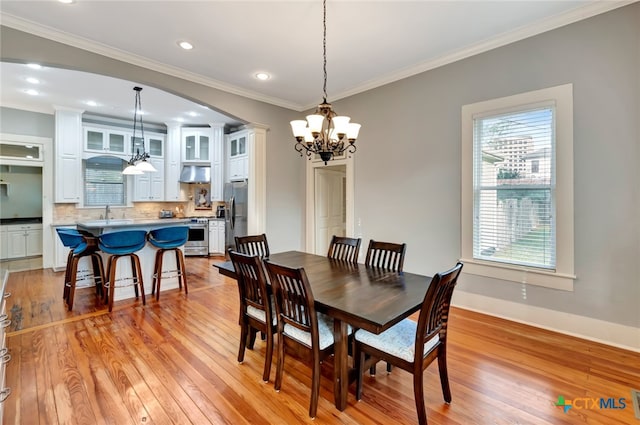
{"x": 529, "y": 276}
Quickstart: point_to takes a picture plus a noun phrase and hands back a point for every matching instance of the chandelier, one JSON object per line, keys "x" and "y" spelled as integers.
{"x": 325, "y": 133}
{"x": 138, "y": 163}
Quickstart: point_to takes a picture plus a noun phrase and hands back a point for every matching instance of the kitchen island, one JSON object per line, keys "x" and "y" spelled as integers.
{"x": 146, "y": 254}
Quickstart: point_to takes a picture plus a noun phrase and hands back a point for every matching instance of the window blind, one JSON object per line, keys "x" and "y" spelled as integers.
{"x": 104, "y": 181}
{"x": 514, "y": 182}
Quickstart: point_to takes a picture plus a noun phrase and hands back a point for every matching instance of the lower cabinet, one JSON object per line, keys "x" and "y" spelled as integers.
{"x": 23, "y": 240}
{"x": 216, "y": 237}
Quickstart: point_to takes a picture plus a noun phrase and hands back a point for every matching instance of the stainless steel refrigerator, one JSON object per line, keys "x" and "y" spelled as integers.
{"x": 235, "y": 198}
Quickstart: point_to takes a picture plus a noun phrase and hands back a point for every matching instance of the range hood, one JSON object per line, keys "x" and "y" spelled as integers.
{"x": 195, "y": 174}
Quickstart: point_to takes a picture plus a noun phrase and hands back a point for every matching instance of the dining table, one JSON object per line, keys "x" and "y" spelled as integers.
{"x": 368, "y": 298}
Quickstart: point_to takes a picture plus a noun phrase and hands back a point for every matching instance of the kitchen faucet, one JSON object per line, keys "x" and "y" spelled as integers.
{"x": 107, "y": 210}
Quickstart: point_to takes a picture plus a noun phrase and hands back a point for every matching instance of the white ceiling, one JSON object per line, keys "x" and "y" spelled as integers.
{"x": 369, "y": 43}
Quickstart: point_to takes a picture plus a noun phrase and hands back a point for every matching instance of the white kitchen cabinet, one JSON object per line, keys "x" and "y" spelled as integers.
{"x": 238, "y": 158}
{"x": 24, "y": 240}
{"x": 4, "y": 243}
{"x": 197, "y": 145}
{"x": 216, "y": 237}
{"x": 67, "y": 153}
{"x": 107, "y": 141}
{"x": 217, "y": 162}
{"x": 150, "y": 186}
{"x": 173, "y": 166}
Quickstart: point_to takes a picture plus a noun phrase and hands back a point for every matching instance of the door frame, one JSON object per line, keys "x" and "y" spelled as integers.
{"x": 310, "y": 230}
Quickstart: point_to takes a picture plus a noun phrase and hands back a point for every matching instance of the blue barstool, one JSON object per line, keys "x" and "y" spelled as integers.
{"x": 119, "y": 245}
{"x": 80, "y": 245}
{"x": 169, "y": 239}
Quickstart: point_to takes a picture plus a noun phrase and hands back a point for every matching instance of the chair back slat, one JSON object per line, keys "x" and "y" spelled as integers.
{"x": 294, "y": 299}
{"x": 252, "y": 282}
{"x": 434, "y": 313}
{"x": 344, "y": 249}
{"x": 385, "y": 255}
{"x": 253, "y": 245}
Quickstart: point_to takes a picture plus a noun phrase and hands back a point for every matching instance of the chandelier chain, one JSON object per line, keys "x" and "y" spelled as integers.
{"x": 138, "y": 107}
{"x": 324, "y": 47}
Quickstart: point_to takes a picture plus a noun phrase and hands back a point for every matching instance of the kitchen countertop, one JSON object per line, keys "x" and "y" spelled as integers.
{"x": 97, "y": 227}
{"x": 22, "y": 220}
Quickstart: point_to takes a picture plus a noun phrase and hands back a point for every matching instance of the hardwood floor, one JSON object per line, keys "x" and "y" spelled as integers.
{"x": 174, "y": 362}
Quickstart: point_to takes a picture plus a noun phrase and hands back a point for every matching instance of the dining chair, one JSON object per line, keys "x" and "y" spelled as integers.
{"x": 344, "y": 249}
{"x": 300, "y": 328}
{"x": 414, "y": 346}
{"x": 385, "y": 255}
{"x": 388, "y": 256}
{"x": 253, "y": 245}
{"x": 256, "y": 306}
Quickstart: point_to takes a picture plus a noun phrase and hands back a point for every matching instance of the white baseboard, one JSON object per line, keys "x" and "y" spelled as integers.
{"x": 626, "y": 337}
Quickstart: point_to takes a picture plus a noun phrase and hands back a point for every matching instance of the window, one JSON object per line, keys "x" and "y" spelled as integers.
{"x": 517, "y": 194}
{"x": 104, "y": 182}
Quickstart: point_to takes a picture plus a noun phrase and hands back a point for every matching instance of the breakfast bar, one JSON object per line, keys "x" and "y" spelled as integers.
{"x": 146, "y": 254}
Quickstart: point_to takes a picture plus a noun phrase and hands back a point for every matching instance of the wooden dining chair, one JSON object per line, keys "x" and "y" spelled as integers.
{"x": 253, "y": 245}
{"x": 344, "y": 249}
{"x": 256, "y": 308}
{"x": 388, "y": 256}
{"x": 300, "y": 329}
{"x": 385, "y": 255}
{"x": 413, "y": 346}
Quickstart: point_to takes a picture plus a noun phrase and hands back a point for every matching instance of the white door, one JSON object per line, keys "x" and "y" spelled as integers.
{"x": 330, "y": 206}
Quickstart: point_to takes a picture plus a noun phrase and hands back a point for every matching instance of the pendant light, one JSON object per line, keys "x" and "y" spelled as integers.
{"x": 138, "y": 163}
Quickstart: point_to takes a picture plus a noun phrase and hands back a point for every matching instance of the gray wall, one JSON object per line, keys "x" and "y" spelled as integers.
{"x": 16, "y": 121}
{"x": 408, "y": 162}
{"x": 24, "y": 198}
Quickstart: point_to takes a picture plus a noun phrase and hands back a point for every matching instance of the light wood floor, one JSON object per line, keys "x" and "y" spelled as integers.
{"x": 174, "y": 362}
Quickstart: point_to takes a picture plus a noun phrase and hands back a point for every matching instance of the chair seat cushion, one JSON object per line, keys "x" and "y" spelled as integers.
{"x": 325, "y": 332}
{"x": 399, "y": 340}
{"x": 258, "y": 314}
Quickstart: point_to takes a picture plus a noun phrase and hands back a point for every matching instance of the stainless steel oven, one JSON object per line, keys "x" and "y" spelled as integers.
{"x": 198, "y": 241}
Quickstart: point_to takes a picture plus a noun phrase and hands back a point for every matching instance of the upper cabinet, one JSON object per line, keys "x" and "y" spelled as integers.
{"x": 151, "y": 186}
{"x": 238, "y": 158}
{"x": 68, "y": 158}
{"x": 107, "y": 141}
{"x": 197, "y": 144}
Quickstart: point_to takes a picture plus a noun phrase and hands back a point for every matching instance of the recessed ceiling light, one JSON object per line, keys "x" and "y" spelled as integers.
{"x": 34, "y": 65}
{"x": 91, "y": 103}
{"x": 192, "y": 114}
{"x": 33, "y": 80}
{"x": 180, "y": 119}
{"x": 263, "y": 76}
{"x": 32, "y": 92}
{"x": 185, "y": 45}
{"x": 67, "y": 1}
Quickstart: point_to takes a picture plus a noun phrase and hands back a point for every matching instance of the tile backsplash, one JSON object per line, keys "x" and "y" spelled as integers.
{"x": 71, "y": 213}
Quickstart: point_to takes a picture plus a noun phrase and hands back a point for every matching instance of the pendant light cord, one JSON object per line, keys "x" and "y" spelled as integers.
{"x": 138, "y": 107}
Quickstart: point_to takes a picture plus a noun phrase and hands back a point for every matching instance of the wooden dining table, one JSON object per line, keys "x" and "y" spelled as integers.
{"x": 352, "y": 294}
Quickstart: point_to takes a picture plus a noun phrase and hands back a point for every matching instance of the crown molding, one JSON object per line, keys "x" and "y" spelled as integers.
{"x": 578, "y": 14}
{"x": 49, "y": 33}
